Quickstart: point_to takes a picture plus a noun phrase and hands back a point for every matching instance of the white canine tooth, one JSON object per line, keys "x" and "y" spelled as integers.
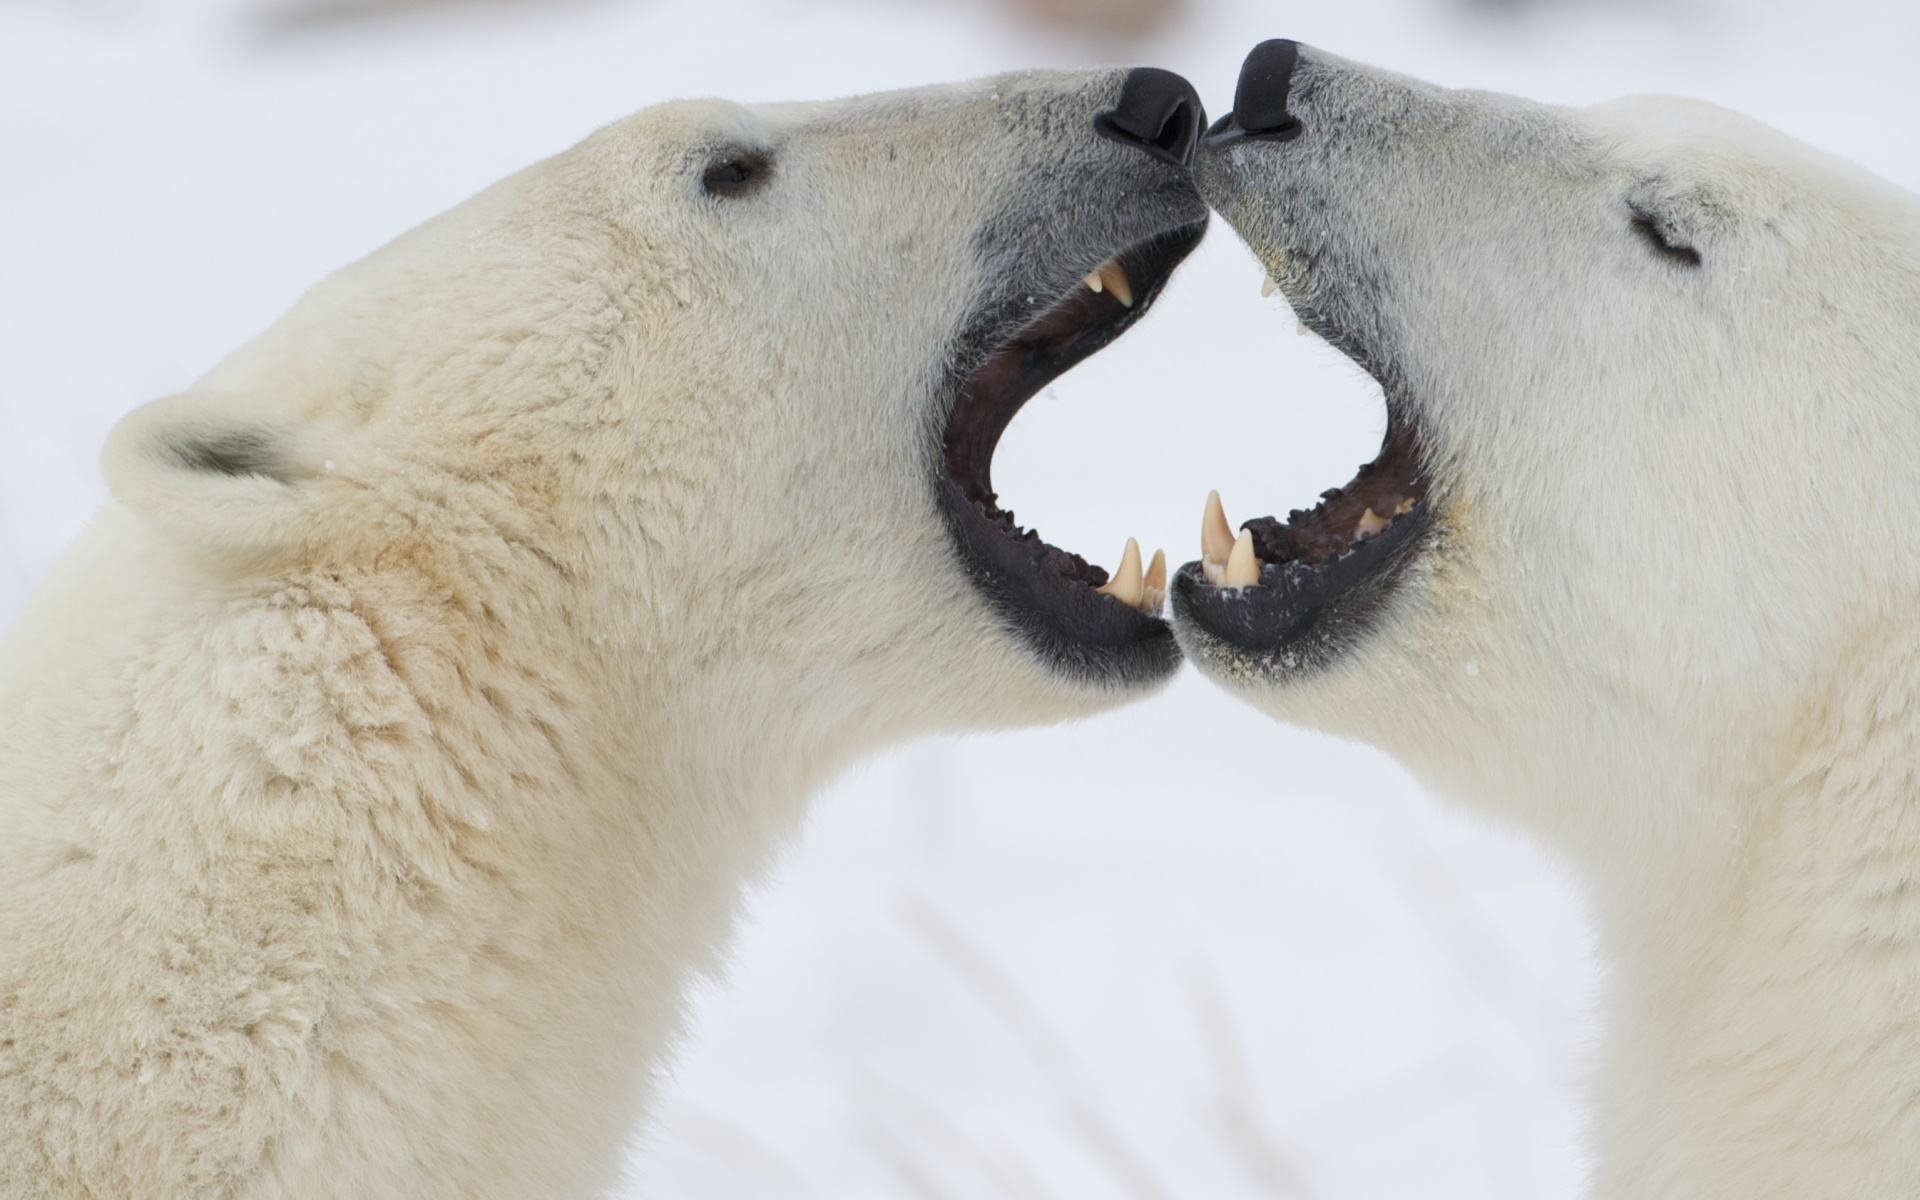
{"x": 1300, "y": 329}
{"x": 1115, "y": 277}
{"x": 1216, "y": 537}
{"x": 1126, "y": 585}
{"x": 1094, "y": 283}
{"x": 1243, "y": 565}
{"x": 1267, "y": 286}
{"x": 1155, "y": 585}
{"x": 1369, "y": 524}
{"x": 1157, "y": 570}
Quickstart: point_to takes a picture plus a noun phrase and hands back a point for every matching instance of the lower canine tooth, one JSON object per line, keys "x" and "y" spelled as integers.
{"x": 1126, "y": 586}
{"x": 1155, "y": 586}
{"x": 1216, "y": 535}
{"x": 1243, "y": 565}
{"x": 1369, "y": 524}
{"x": 1115, "y": 277}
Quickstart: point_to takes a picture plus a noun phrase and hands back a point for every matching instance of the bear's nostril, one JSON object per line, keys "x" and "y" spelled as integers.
{"x": 1260, "y": 98}
{"x": 1175, "y": 133}
{"x": 1159, "y": 112}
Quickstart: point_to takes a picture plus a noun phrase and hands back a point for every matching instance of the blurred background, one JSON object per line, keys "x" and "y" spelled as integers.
{"x": 1174, "y": 952}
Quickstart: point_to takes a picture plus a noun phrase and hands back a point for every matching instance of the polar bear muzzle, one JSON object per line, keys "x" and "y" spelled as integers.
{"x": 1291, "y": 595}
{"x": 1074, "y": 615}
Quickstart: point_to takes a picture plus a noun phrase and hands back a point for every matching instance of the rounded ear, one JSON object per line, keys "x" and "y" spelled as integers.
{"x": 219, "y": 474}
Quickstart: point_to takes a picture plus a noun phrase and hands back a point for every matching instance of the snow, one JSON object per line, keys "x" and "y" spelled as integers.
{"x": 1176, "y": 951}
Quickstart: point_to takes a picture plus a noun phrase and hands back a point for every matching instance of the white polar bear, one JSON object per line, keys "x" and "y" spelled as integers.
{"x": 378, "y": 767}
{"x": 1633, "y": 569}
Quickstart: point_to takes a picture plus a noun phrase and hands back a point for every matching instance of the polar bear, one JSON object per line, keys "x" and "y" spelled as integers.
{"x": 378, "y": 767}
{"x": 1630, "y": 570}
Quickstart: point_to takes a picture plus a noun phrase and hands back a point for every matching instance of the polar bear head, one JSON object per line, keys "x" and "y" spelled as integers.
{"x": 1650, "y": 376}
{"x": 709, "y": 401}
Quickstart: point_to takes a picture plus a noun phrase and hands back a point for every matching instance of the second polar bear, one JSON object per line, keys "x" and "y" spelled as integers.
{"x": 1633, "y": 569}
{"x": 378, "y": 767}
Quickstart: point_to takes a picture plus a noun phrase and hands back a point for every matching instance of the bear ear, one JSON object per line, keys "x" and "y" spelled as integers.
{"x": 225, "y": 475}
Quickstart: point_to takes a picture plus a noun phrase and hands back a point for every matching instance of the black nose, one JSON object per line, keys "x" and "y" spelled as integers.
{"x": 1159, "y": 112}
{"x": 1260, "y": 98}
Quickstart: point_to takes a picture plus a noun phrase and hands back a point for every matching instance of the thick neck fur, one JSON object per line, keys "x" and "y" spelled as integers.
{"x": 1763, "y": 1011}
{"x": 1753, "y": 862}
{"x": 429, "y": 839}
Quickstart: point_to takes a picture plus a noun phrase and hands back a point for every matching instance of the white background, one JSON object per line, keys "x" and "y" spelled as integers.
{"x": 1177, "y": 951}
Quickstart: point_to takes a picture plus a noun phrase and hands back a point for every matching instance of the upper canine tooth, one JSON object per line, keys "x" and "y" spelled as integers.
{"x": 1115, "y": 277}
{"x": 1216, "y": 536}
{"x": 1243, "y": 565}
{"x": 1094, "y": 283}
{"x": 1126, "y": 586}
{"x": 1369, "y": 524}
{"x": 1267, "y": 286}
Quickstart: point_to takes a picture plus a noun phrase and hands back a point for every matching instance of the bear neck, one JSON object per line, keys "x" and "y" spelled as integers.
{"x": 523, "y": 841}
{"x": 1763, "y": 1007}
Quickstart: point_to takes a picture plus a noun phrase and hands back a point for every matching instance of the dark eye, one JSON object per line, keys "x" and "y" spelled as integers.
{"x": 1656, "y": 234}
{"x": 735, "y": 174}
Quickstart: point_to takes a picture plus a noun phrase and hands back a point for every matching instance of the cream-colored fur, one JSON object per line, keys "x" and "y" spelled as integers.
{"x": 1666, "y": 613}
{"x": 378, "y": 767}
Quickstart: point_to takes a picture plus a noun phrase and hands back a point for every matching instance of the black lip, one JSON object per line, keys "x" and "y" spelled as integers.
{"x": 1046, "y": 594}
{"x": 1301, "y": 617}
{"x": 1320, "y": 592}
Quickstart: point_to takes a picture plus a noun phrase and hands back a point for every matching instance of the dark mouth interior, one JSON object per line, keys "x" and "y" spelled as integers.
{"x": 1385, "y": 492}
{"x": 1007, "y": 376}
{"x": 1323, "y": 575}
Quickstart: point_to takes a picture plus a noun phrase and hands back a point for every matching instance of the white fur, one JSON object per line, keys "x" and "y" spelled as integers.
{"x": 1667, "y": 616}
{"x": 365, "y": 814}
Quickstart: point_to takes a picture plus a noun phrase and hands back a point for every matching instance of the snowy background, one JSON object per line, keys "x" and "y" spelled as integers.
{"x": 1112, "y": 960}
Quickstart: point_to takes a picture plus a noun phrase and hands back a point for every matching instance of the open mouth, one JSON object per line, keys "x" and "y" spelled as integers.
{"x": 1070, "y": 611}
{"x": 1295, "y": 591}
{"x": 1290, "y": 596}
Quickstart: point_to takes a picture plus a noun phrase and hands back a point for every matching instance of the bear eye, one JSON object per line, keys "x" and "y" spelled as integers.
{"x": 735, "y": 174}
{"x": 1656, "y": 234}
